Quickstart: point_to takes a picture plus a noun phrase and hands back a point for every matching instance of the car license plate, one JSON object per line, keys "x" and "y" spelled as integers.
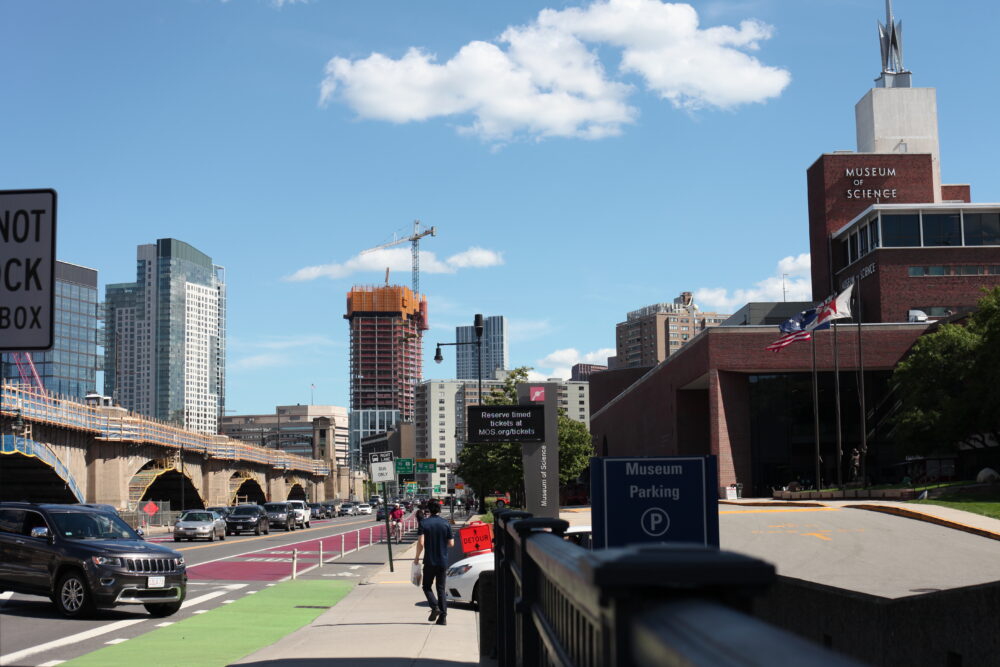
{"x": 156, "y": 582}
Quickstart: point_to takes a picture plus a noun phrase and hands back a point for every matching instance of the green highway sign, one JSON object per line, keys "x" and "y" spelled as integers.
{"x": 404, "y": 466}
{"x": 426, "y": 465}
{"x": 437, "y": 489}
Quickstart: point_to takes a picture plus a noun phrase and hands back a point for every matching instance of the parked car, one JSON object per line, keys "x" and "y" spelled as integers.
{"x": 462, "y": 578}
{"x": 318, "y": 511}
{"x": 303, "y": 515}
{"x": 364, "y": 508}
{"x": 332, "y": 507}
{"x": 247, "y": 518}
{"x": 199, "y": 525}
{"x": 381, "y": 513}
{"x": 281, "y": 515}
{"x": 347, "y": 509}
{"x": 84, "y": 558}
{"x": 221, "y": 510}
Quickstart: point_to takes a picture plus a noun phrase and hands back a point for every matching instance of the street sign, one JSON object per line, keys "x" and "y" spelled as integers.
{"x": 654, "y": 499}
{"x": 460, "y": 485}
{"x": 150, "y": 508}
{"x": 27, "y": 269}
{"x": 382, "y": 471}
{"x": 411, "y": 487}
{"x": 379, "y": 457}
{"x": 476, "y": 537}
{"x": 404, "y": 466}
{"x": 437, "y": 489}
{"x": 426, "y": 465}
{"x": 506, "y": 423}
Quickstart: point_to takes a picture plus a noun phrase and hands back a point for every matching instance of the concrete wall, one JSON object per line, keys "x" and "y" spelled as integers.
{"x": 953, "y": 627}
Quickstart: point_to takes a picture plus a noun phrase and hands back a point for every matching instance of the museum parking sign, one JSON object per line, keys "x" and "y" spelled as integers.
{"x": 654, "y": 499}
{"x": 27, "y": 268}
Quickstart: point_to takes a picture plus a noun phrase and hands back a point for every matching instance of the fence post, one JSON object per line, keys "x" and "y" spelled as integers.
{"x": 320, "y": 564}
{"x": 295, "y": 563}
{"x": 342, "y": 540}
{"x": 503, "y": 555}
{"x": 527, "y": 591}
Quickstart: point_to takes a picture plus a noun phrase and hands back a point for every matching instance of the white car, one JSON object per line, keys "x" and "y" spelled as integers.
{"x": 364, "y": 508}
{"x": 462, "y": 580}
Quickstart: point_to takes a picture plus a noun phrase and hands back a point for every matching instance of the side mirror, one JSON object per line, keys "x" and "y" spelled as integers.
{"x": 40, "y": 531}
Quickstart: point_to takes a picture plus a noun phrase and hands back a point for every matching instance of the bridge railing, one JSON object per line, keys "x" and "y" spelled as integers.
{"x": 121, "y": 425}
{"x": 560, "y": 604}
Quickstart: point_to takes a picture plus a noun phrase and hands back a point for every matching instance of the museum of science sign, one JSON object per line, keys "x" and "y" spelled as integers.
{"x": 654, "y": 499}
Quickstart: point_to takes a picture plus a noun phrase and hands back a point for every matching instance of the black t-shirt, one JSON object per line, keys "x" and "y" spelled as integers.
{"x": 437, "y": 534}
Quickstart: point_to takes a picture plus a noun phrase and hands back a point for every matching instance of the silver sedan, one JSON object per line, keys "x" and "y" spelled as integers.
{"x": 199, "y": 525}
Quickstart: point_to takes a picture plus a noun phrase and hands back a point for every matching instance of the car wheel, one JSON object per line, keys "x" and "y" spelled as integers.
{"x": 307, "y": 524}
{"x": 256, "y": 531}
{"x": 267, "y": 529}
{"x": 289, "y": 527}
{"x": 211, "y": 536}
{"x": 72, "y": 596}
{"x": 176, "y": 539}
{"x": 161, "y": 609}
{"x": 222, "y": 535}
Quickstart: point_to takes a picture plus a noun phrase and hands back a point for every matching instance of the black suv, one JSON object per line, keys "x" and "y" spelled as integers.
{"x": 281, "y": 515}
{"x": 246, "y": 518}
{"x": 81, "y": 558}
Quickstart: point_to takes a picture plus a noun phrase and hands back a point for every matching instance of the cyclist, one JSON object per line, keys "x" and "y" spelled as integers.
{"x": 397, "y": 522}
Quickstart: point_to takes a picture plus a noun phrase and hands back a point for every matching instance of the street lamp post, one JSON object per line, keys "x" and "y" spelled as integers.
{"x": 478, "y": 328}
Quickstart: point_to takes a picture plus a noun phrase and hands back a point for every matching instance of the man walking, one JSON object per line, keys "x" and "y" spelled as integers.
{"x": 434, "y": 540}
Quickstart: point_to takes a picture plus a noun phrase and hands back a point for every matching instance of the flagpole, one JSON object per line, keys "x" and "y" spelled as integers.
{"x": 815, "y": 410}
{"x": 861, "y": 393}
{"x": 836, "y": 391}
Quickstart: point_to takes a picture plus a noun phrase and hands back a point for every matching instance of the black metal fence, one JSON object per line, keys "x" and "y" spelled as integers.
{"x": 560, "y": 604}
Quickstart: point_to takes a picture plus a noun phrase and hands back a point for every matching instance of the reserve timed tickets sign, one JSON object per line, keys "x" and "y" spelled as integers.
{"x": 506, "y": 423}
{"x": 27, "y": 269}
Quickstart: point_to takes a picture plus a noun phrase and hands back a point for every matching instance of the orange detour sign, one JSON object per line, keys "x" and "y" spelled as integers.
{"x": 477, "y": 537}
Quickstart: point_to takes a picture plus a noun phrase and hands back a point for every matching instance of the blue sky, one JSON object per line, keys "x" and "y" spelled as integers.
{"x": 579, "y": 160}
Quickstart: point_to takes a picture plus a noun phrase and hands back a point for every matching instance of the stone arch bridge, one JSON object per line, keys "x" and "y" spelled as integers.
{"x": 59, "y": 450}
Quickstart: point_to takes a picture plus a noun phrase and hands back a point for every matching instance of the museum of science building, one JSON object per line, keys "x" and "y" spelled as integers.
{"x": 917, "y": 252}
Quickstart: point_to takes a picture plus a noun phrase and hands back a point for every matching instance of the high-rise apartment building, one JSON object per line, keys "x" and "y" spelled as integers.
{"x": 651, "y": 334}
{"x": 70, "y": 367}
{"x": 292, "y": 428}
{"x": 584, "y": 371}
{"x": 387, "y": 325}
{"x": 494, "y": 349}
{"x": 165, "y": 337}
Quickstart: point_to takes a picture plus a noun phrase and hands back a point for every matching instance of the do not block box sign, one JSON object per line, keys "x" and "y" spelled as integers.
{"x": 654, "y": 499}
{"x": 27, "y": 269}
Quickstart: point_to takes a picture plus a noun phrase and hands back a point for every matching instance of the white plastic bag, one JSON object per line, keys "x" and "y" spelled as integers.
{"x": 415, "y": 573}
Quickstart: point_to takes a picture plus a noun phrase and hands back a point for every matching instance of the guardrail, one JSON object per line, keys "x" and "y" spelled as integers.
{"x": 123, "y": 426}
{"x": 560, "y": 604}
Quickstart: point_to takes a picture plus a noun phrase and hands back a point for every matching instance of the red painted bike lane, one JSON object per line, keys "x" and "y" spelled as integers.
{"x": 275, "y": 563}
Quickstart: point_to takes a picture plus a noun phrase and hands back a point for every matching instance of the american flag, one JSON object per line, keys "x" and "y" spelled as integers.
{"x": 788, "y": 339}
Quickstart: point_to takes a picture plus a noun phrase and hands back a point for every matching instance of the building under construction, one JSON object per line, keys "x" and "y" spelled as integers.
{"x": 387, "y": 325}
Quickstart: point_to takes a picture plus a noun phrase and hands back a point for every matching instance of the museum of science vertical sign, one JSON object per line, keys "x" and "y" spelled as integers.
{"x": 654, "y": 499}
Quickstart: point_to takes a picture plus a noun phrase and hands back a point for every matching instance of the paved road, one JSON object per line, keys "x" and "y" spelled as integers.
{"x": 33, "y": 633}
{"x": 860, "y": 550}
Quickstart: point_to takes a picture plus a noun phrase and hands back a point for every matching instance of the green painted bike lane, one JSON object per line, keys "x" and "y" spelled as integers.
{"x": 226, "y": 633}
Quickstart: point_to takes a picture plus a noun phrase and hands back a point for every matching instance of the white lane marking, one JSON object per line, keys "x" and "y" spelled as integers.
{"x": 165, "y": 624}
{"x": 17, "y": 656}
{"x": 269, "y": 585}
{"x": 202, "y": 598}
{"x": 117, "y": 641}
{"x": 235, "y": 587}
{"x": 283, "y": 546}
{"x": 52, "y": 663}
{"x": 200, "y": 611}
{"x": 353, "y": 567}
{"x": 228, "y": 601}
{"x": 251, "y": 592}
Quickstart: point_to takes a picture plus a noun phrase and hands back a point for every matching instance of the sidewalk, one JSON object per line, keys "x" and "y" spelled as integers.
{"x": 381, "y": 623}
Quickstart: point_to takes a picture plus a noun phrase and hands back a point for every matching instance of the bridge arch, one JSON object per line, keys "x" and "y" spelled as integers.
{"x": 30, "y": 470}
{"x": 160, "y": 480}
{"x": 296, "y": 491}
{"x": 246, "y": 486}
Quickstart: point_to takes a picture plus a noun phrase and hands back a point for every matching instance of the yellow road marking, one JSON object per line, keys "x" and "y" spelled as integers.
{"x": 819, "y": 535}
{"x": 783, "y": 509}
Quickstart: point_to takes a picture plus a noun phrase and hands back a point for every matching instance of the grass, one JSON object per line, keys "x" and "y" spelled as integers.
{"x": 227, "y": 633}
{"x": 986, "y": 503}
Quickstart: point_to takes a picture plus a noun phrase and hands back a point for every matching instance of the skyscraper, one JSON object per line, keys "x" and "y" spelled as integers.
{"x": 495, "y": 351}
{"x": 165, "y": 337}
{"x": 387, "y": 325}
{"x": 70, "y": 367}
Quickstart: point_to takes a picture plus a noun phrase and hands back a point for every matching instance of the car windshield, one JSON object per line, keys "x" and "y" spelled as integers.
{"x": 244, "y": 511}
{"x": 197, "y": 516}
{"x": 92, "y": 526}
{"x": 276, "y": 507}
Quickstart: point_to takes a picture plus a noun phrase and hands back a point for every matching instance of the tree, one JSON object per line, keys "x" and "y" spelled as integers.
{"x": 947, "y": 384}
{"x": 497, "y": 465}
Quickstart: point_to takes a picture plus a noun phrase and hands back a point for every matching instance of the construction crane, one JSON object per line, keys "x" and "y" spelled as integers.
{"x": 414, "y": 240}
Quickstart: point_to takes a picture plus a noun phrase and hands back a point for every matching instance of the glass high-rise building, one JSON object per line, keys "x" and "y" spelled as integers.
{"x": 165, "y": 337}
{"x": 70, "y": 367}
{"x": 495, "y": 351}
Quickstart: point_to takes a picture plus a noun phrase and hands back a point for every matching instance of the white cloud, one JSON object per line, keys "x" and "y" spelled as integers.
{"x": 399, "y": 260}
{"x": 521, "y": 331}
{"x": 791, "y": 282}
{"x": 560, "y": 362}
{"x": 548, "y": 80}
